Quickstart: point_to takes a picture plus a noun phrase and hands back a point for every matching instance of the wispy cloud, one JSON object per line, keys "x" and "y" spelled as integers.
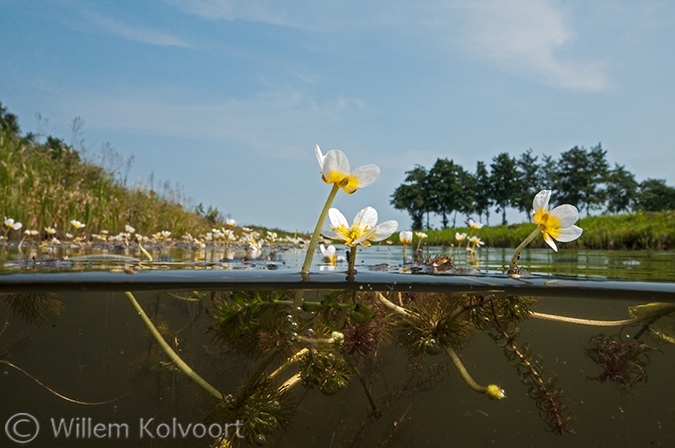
{"x": 137, "y": 34}
{"x": 530, "y": 39}
{"x": 527, "y": 38}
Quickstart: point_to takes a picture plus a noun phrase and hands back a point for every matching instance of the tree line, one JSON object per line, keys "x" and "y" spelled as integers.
{"x": 579, "y": 176}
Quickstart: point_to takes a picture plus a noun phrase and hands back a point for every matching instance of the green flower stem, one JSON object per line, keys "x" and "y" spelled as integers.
{"x": 462, "y": 371}
{"x": 266, "y": 361}
{"x": 376, "y": 411}
{"x": 392, "y": 306}
{"x": 311, "y": 248}
{"x": 352, "y": 259}
{"x": 405, "y": 254}
{"x": 292, "y": 381}
{"x": 289, "y": 362}
{"x": 513, "y": 268}
{"x": 144, "y": 252}
{"x": 581, "y": 321}
{"x": 182, "y": 365}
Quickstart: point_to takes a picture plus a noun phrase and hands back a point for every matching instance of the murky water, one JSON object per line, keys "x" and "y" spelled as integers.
{"x": 76, "y": 356}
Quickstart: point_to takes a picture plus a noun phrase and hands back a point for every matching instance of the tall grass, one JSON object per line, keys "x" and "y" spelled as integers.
{"x": 47, "y": 186}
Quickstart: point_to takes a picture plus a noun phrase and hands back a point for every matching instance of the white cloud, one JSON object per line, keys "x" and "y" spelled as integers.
{"x": 143, "y": 35}
{"x": 525, "y": 38}
{"x": 530, "y": 39}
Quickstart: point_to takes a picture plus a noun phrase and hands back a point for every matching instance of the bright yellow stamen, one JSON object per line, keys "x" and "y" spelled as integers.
{"x": 335, "y": 177}
{"x": 549, "y": 224}
{"x": 353, "y": 233}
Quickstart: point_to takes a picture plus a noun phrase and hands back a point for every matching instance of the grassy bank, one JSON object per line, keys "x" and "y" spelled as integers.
{"x": 48, "y": 185}
{"x": 637, "y": 231}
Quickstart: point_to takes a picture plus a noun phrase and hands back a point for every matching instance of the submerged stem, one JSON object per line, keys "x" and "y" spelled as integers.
{"x": 582, "y": 321}
{"x": 513, "y": 268}
{"x": 492, "y": 391}
{"x": 182, "y": 365}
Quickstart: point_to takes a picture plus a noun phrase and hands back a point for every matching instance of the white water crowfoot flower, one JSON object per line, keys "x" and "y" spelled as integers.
{"x": 405, "y": 236}
{"x": 77, "y": 224}
{"x": 556, "y": 224}
{"x": 474, "y": 224}
{"x": 335, "y": 170}
{"x": 363, "y": 230}
{"x": 328, "y": 254}
{"x": 14, "y": 225}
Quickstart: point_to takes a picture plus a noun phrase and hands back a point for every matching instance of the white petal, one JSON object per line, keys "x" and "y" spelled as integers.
{"x": 331, "y": 234}
{"x": 406, "y": 236}
{"x": 384, "y": 230}
{"x": 319, "y": 156}
{"x": 550, "y": 242}
{"x": 366, "y": 216}
{"x": 335, "y": 161}
{"x": 541, "y": 200}
{"x": 365, "y": 175}
{"x": 567, "y": 215}
{"x": 337, "y": 219}
{"x": 364, "y": 237}
{"x": 569, "y": 234}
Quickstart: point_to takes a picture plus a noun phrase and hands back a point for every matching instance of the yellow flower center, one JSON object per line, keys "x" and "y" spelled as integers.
{"x": 353, "y": 233}
{"x": 336, "y": 177}
{"x": 549, "y": 224}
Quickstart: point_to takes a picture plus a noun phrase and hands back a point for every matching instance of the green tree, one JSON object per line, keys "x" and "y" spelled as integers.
{"x": 445, "y": 188}
{"x": 9, "y": 122}
{"x": 467, "y": 198}
{"x": 621, "y": 189}
{"x": 504, "y": 182}
{"x": 580, "y": 176}
{"x": 654, "y": 195}
{"x": 530, "y": 180}
{"x": 481, "y": 196}
{"x": 413, "y": 195}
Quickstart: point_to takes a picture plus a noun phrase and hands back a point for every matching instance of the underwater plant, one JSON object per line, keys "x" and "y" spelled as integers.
{"x": 623, "y": 362}
{"x": 34, "y": 307}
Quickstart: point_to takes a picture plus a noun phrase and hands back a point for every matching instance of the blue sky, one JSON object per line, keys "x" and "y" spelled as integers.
{"x": 229, "y": 98}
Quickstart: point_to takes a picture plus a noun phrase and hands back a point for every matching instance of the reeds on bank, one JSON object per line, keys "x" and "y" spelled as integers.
{"x": 49, "y": 184}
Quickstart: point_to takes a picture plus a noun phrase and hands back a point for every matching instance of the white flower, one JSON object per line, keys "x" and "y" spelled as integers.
{"x": 230, "y": 222}
{"x": 50, "y": 230}
{"x": 328, "y": 253}
{"x": 460, "y": 236}
{"x": 362, "y": 231}
{"x": 405, "y": 236}
{"x": 129, "y": 229}
{"x": 421, "y": 235}
{"x": 476, "y": 241}
{"x": 77, "y": 224}
{"x": 474, "y": 224}
{"x": 335, "y": 170}
{"x": 556, "y": 224}
{"x": 9, "y": 222}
